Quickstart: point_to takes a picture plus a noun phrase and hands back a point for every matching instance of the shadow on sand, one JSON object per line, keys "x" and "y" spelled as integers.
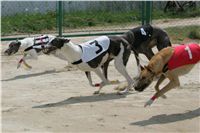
{"x": 33, "y": 75}
{"x": 84, "y": 99}
{"x": 164, "y": 119}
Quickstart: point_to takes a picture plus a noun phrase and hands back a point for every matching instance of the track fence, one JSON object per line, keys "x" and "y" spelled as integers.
{"x": 87, "y": 18}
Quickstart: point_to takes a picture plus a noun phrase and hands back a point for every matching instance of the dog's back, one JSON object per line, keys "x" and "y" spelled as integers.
{"x": 184, "y": 55}
{"x": 145, "y": 34}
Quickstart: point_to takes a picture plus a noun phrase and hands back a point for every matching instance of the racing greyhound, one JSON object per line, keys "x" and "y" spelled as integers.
{"x": 91, "y": 55}
{"x": 171, "y": 62}
{"x": 30, "y": 46}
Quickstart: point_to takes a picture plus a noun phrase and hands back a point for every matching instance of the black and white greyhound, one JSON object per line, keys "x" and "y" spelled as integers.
{"x": 30, "y": 46}
{"x": 91, "y": 55}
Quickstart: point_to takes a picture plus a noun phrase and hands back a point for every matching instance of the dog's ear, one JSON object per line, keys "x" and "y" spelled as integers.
{"x": 18, "y": 43}
{"x": 149, "y": 69}
{"x": 146, "y": 67}
{"x": 65, "y": 40}
{"x": 142, "y": 68}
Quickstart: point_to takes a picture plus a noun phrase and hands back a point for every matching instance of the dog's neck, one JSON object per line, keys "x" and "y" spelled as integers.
{"x": 70, "y": 51}
{"x": 158, "y": 61}
{"x": 129, "y": 36}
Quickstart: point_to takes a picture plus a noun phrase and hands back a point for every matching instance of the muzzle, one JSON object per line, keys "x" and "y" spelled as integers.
{"x": 9, "y": 52}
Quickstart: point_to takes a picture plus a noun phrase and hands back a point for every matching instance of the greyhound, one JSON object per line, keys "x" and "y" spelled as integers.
{"x": 172, "y": 62}
{"x": 31, "y": 46}
{"x": 91, "y": 55}
{"x": 142, "y": 40}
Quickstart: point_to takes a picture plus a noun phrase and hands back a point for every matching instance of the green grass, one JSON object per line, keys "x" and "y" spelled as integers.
{"x": 26, "y": 23}
{"x": 190, "y": 13}
{"x": 178, "y": 34}
{"x": 98, "y": 18}
{"x": 36, "y": 23}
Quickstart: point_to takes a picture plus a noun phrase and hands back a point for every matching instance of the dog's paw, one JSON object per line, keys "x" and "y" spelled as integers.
{"x": 131, "y": 90}
{"x": 96, "y": 92}
{"x": 148, "y": 103}
{"x": 18, "y": 65}
{"x": 125, "y": 91}
{"x": 114, "y": 82}
{"x": 164, "y": 97}
{"x": 121, "y": 87}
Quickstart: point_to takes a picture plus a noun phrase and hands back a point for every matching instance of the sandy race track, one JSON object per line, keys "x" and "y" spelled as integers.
{"x": 51, "y": 98}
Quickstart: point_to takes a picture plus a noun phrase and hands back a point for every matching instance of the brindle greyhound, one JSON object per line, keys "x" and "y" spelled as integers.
{"x": 173, "y": 62}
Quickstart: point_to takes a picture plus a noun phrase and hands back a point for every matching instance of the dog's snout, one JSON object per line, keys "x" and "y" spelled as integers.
{"x": 139, "y": 89}
{"x": 6, "y": 52}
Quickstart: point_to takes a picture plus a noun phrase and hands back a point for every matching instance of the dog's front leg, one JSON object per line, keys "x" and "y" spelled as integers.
{"x": 102, "y": 77}
{"x": 160, "y": 80}
{"x": 174, "y": 82}
{"x": 122, "y": 70}
{"x": 22, "y": 60}
{"x": 88, "y": 75}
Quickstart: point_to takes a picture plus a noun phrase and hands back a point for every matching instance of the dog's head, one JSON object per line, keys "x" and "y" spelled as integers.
{"x": 145, "y": 79}
{"x": 54, "y": 44}
{"x": 13, "y": 48}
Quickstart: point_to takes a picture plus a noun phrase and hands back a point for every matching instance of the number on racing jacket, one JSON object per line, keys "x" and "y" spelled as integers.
{"x": 97, "y": 45}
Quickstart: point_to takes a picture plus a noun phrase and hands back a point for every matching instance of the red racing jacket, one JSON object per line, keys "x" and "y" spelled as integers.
{"x": 184, "y": 55}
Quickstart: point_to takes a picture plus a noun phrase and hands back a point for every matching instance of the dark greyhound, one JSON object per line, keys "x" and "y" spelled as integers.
{"x": 142, "y": 40}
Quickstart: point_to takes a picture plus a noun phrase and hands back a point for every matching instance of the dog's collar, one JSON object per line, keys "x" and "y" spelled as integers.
{"x": 165, "y": 68}
{"x": 79, "y": 61}
{"x": 153, "y": 73}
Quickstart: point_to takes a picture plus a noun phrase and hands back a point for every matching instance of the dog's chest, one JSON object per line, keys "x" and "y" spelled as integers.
{"x": 90, "y": 66}
{"x": 184, "y": 55}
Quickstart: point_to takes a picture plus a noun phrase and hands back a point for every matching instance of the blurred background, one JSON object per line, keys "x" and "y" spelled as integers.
{"x": 181, "y": 19}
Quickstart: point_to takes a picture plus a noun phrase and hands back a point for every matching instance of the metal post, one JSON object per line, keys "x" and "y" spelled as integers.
{"x": 143, "y": 12}
{"x": 148, "y": 11}
{"x": 60, "y": 17}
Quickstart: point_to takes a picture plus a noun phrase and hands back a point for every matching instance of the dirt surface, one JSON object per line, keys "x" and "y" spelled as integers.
{"x": 51, "y": 98}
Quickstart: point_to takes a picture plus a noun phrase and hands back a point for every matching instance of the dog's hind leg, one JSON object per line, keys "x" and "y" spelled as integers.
{"x": 126, "y": 56}
{"x": 139, "y": 66}
{"x": 122, "y": 70}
